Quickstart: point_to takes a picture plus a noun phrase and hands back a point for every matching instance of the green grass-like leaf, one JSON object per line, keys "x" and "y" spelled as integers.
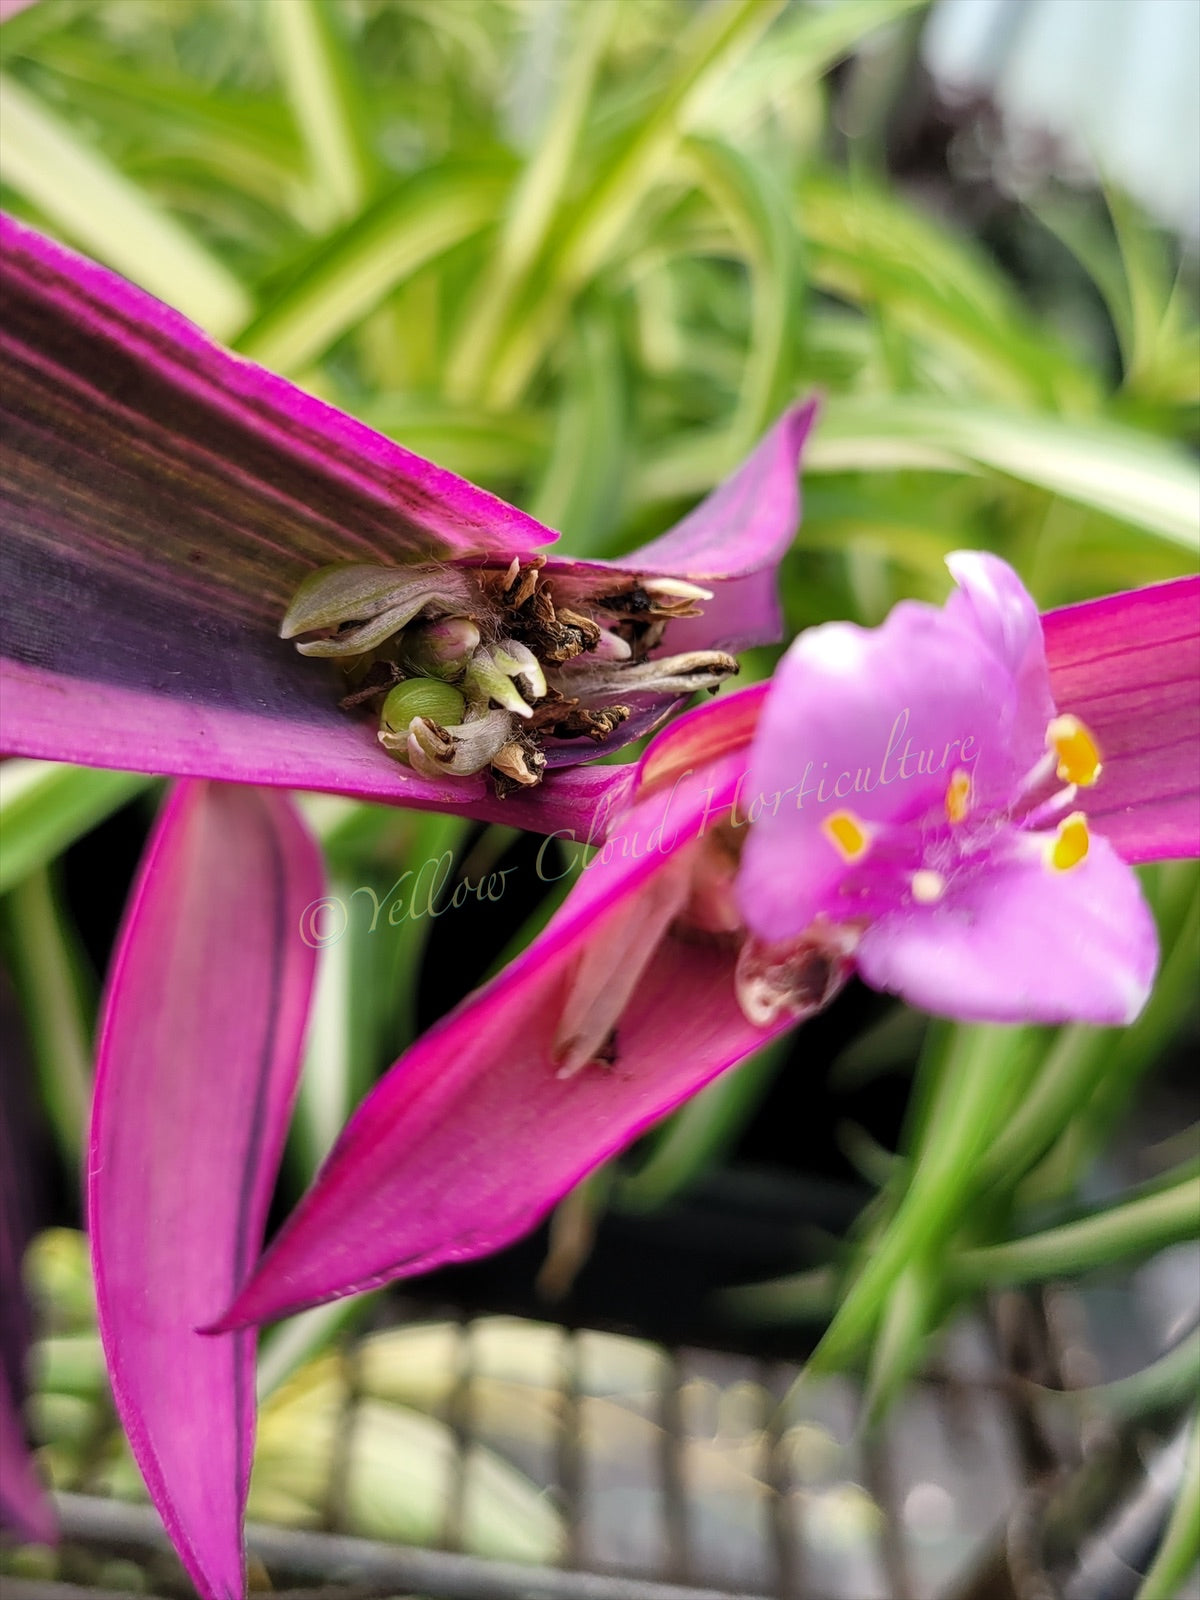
{"x": 423, "y": 218}
{"x": 79, "y": 191}
{"x": 45, "y": 806}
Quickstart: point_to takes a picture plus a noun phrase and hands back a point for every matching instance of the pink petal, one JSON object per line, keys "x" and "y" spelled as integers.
{"x": 472, "y": 1137}
{"x": 845, "y": 706}
{"x": 1129, "y": 666}
{"x": 1014, "y": 941}
{"x": 1005, "y": 615}
{"x": 198, "y": 1058}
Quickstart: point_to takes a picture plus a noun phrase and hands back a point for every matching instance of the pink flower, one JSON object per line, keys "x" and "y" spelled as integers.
{"x": 926, "y": 819}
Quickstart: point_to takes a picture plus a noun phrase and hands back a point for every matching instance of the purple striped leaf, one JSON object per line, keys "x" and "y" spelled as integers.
{"x": 198, "y": 1060}
{"x": 163, "y": 498}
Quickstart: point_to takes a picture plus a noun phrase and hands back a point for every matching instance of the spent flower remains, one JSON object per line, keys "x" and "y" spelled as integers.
{"x": 472, "y": 669}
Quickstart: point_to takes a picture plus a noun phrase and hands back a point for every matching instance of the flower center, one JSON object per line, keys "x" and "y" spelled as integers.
{"x": 918, "y": 860}
{"x": 531, "y": 658}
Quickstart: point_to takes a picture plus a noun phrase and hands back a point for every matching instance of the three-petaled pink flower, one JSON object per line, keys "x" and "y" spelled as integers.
{"x": 937, "y": 834}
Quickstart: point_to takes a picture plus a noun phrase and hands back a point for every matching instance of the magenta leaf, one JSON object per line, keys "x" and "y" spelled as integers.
{"x": 199, "y": 1053}
{"x": 471, "y": 1138}
{"x": 735, "y": 538}
{"x": 162, "y": 499}
{"x": 1128, "y": 665}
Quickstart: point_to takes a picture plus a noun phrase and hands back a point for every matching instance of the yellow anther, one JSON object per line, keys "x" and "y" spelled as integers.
{"x": 1077, "y": 752}
{"x": 958, "y": 795}
{"x": 1070, "y": 844}
{"x": 846, "y": 834}
{"x": 928, "y": 886}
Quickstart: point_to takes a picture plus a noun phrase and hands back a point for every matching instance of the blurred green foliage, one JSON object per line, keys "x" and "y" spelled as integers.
{"x": 583, "y": 251}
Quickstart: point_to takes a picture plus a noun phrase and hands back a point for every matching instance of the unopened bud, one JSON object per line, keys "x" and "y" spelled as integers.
{"x": 684, "y": 674}
{"x": 610, "y": 647}
{"x": 674, "y": 589}
{"x": 492, "y": 673}
{"x": 519, "y": 661}
{"x": 442, "y": 648}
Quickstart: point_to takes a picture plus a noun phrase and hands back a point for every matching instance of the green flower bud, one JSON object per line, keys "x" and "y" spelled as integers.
{"x": 429, "y": 698}
{"x": 493, "y": 672}
{"x": 519, "y": 661}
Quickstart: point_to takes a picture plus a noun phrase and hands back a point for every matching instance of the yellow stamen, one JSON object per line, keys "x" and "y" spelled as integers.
{"x": 928, "y": 886}
{"x": 847, "y": 835}
{"x": 1070, "y": 844}
{"x": 958, "y": 795}
{"x": 1077, "y": 752}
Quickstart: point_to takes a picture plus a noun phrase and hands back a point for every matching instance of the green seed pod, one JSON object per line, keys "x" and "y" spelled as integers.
{"x": 421, "y": 697}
